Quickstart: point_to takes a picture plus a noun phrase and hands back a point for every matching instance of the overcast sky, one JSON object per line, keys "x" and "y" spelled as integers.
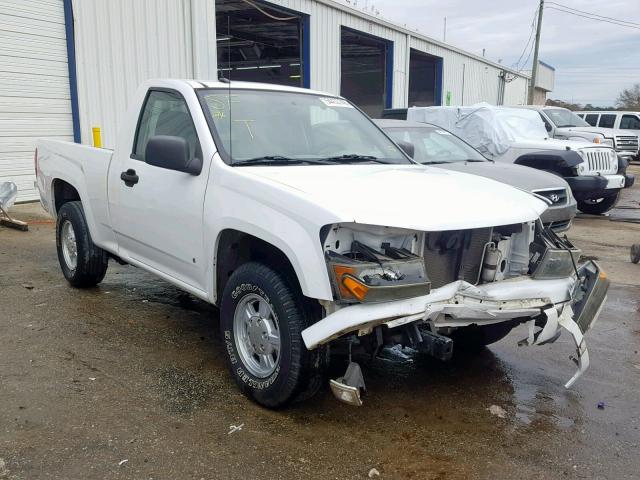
{"x": 594, "y": 61}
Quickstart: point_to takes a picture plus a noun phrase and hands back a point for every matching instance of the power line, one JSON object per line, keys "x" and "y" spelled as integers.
{"x": 593, "y": 18}
{"x": 594, "y": 14}
{"x": 533, "y": 21}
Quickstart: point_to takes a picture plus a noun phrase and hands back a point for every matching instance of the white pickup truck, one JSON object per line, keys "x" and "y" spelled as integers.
{"x": 310, "y": 228}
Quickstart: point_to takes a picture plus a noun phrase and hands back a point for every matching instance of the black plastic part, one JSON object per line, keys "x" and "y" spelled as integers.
{"x": 130, "y": 178}
{"x": 438, "y": 346}
{"x": 586, "y": 188}
{"x": 629, "y": 180}
{"x": 557, "y": 160}
{"x": 172, "y": 153}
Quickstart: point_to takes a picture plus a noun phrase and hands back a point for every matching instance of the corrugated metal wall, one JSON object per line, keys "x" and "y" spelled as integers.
{"x": 119, "y": 44}
{"x": 481, "y": 78}
{"x": 34, "y": 86}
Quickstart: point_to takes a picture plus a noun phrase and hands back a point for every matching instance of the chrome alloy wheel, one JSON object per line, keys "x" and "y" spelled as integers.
{"x": 257, "y": 337}
{"x": 69, "y": 245}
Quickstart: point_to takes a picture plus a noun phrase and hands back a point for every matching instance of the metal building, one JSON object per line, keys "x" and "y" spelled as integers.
{"x": 69, "y": 65}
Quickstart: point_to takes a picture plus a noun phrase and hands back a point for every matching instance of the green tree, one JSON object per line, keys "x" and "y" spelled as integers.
{"x": 629, "y": 98}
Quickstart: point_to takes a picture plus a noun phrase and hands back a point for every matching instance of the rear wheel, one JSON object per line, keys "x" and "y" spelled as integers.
{"x": 599, "y": 205}
{"x": 83, "y": 264}
{"x": 261, "y": 319}
{"x": 635, "y": 252}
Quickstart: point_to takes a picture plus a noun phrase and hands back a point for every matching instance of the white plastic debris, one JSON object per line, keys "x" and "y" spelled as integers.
{"x": 8, "y": 194}
{"x": 374, "y": 473}
{"x": 498, "y": 411}
{"x": 122, "y": 462}
{"x": 234, "y": 428}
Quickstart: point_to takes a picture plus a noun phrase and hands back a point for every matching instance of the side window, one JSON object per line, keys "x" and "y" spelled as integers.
{"x": 165, "y": 113}
{"x": 630, "y": 122}
{"x": 591, "y": 119}
{"x": 607, "y": 120}
{"x": 547, "y": 125}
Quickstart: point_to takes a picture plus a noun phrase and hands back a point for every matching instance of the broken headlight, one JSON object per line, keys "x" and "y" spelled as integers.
{"x": 368, "y": 275}
{"x": 551, "y": 256}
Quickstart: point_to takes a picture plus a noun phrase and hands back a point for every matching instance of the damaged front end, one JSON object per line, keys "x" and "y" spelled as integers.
{"x": 418, "y": 289}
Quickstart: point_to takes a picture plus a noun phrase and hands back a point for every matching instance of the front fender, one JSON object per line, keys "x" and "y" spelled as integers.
{"x": 554, "y": 160}
{"x": 278, "y": 217}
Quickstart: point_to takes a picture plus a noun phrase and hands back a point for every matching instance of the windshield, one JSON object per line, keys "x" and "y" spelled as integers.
{"x": 434, "y": 145}
{"x": 564, "y": 118}
{"x": 274, "y": 127}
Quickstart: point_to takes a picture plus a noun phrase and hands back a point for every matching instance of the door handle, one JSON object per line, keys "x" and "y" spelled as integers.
{"x": 129, "y": 177}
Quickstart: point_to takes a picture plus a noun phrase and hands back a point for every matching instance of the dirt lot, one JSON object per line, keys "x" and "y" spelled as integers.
{"x": 128, "y": 380}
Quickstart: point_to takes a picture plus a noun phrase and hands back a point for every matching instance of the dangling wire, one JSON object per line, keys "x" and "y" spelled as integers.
{"x": 264, "y": 12}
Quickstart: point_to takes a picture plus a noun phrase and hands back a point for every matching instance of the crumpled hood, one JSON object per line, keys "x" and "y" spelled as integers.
{"x": 403, "y": 196}
{"x": 517, "y": 175}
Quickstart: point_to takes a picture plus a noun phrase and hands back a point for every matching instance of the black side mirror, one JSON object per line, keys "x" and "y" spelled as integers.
{"x": 172, "y": 153}
{"x": 407, "y": 147}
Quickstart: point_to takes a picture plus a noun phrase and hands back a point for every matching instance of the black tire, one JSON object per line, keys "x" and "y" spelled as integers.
{"x": 475, "y": 337}
{"x": 599, "y": 206}
{"x": 635, "y": 252}
{"x": 91, "y": 261}
{"x": 299, "y": 372}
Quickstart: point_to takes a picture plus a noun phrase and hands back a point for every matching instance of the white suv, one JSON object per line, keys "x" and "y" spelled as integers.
{"x": 627, "y": 121}
{"x": 563, "y": 124}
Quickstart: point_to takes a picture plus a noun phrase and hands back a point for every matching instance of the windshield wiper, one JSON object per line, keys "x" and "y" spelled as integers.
{"x": 354, "y": 158}
{"x": 278, "y": 160}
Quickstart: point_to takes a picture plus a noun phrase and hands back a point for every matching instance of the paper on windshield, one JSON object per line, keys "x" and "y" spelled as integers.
{"x": 490, "y": 129}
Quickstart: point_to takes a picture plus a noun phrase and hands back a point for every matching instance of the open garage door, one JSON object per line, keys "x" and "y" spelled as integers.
{"x": 34, "y": 86}
{"x": 257, "y": 42}
{"x": 366, "y": 68}
{"x": 425, "y": 79}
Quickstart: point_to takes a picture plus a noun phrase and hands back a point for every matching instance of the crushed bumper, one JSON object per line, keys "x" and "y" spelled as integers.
{"x": 570, "y": 303}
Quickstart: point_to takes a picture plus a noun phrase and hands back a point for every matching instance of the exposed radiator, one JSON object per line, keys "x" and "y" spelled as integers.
{"x": 454, "y": 255}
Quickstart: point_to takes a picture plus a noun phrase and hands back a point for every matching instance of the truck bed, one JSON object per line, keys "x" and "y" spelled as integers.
{"x": 85, "y": 169}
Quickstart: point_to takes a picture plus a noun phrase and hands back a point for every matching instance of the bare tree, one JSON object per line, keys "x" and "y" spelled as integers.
{"x": 629, "y": 99}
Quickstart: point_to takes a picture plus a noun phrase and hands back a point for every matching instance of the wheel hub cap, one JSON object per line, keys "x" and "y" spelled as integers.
{"x": 69, "y": 245}
{"x": 257, "y": 335}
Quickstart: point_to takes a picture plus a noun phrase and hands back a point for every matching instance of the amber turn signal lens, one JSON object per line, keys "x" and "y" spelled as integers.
{"x": 596, "y": 140}
{"x": 356, "y": 288}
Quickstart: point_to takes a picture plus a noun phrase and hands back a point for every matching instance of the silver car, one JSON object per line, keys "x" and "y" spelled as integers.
{"x": 431, "y": 145}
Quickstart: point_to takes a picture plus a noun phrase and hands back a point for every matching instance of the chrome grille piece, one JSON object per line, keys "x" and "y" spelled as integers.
{"x": 598, "y": 161}
{"x": 558, "y": 196}
{"x": 627, "y": 143}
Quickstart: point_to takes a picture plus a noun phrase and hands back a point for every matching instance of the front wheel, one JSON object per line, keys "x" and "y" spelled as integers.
{"x": 83, "y": 263}
{"x": 262, "y": 316}
{"x": 598, "y": 206}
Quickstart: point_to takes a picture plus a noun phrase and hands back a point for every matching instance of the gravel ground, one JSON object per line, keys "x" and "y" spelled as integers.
{"x": 128, "y": 380}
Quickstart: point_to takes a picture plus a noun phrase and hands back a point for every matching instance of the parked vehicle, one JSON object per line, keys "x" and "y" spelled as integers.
{"x": 628, "y": 122}
{"x": 563, "y": 124}
{"x": 431, "y": 145}
{"x": 309, "y": 227}
{"x": 516, "y": 135}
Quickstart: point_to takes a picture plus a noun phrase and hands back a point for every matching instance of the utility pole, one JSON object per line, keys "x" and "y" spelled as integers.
{"x": 444, "y": 36}
{"x": 534, "y": 69}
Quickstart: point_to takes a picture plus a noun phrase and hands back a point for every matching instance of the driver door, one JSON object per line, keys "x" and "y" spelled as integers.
{"x": 158, "y": 213}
